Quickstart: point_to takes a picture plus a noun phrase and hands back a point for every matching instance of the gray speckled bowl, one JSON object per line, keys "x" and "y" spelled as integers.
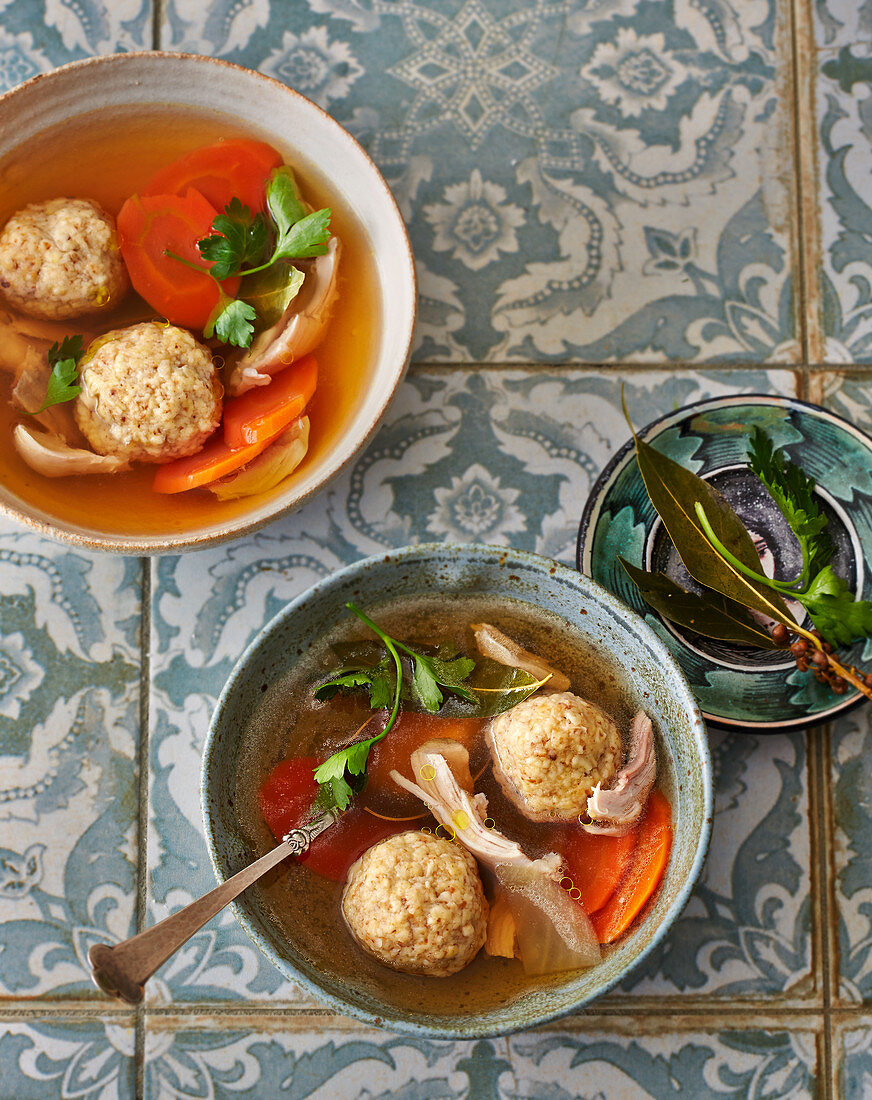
{"x": 652, "y": 676}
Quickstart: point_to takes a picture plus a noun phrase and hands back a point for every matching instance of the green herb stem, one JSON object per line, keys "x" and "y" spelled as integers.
{"x": 779, "y": 586}
{"x": 391, "y": 648}
{"x": 188, "y": 263}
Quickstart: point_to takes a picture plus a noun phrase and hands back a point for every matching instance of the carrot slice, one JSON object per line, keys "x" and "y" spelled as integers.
{"x": 267, "y": 410}
{"x": 148, "y": 225}
{"x": 596, "y": 864}
{"x": 643, "y": 875}
{"x": 215, "y": 460}
{"x": 237, "y": 168}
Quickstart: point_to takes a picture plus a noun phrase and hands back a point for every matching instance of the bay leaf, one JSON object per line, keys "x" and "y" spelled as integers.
{"x": 715, "y": 616}
{"x": 674, "y": 491}
{"x": 496, "y": 688}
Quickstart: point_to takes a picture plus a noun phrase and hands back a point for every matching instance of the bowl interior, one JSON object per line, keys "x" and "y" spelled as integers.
{"x": 174, "y": 87}
{"x": 491, "y": 996}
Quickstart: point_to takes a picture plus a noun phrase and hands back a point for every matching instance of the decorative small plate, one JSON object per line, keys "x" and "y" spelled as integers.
{"x": 737, "y": 686}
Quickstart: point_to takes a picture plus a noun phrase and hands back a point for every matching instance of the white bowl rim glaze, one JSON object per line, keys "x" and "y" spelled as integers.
{"x": 505, "y": 556}
{"x": 391, "y": 362}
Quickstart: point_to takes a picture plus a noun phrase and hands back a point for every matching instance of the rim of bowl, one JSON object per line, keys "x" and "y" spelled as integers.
{"x": 597, "y": 493}
{"x": 505, "y": 555}
{"x": 170, "y": 543}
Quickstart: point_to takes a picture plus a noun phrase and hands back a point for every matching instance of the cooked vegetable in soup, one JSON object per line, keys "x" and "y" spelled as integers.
{"x": 182, "y": 319}
{"x": 498, "y": 799}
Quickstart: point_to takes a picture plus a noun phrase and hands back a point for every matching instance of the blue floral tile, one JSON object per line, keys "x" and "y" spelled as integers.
{"x": 746, "y": 930}
{"x": 844, "y": 101}
{"x": 606, "y": 181}
{"x": 853, "y": 1057}
{"x": 67, "y": 1059}
{"x": 852, "y": 856}
{"x": 314, "y": 1057}
{"x": 503, "y": 457}
{"x": 69, "y": 700}
{"x": 37, "y": 35}
{"x": 843, "y": 22}
{"x": 749, "y": 1063}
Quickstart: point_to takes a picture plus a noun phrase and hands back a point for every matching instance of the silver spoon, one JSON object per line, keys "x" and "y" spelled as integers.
{"x": 123, "y": 969}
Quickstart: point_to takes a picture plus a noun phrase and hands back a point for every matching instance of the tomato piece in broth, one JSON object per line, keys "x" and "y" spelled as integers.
{"x": 410, "y": 732}
{"x": 285, "y": 800}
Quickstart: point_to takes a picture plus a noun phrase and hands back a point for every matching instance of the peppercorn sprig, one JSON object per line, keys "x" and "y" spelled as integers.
{"x": 811, "y": 652}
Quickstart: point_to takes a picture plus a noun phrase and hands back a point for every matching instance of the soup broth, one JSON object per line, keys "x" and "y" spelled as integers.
{"x": 304, "y": 907}
{"x": 107, "y": 158}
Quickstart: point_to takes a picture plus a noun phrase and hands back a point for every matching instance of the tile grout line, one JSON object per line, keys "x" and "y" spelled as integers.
{"x": 142, "y": 815}
{"x": 156, "y": 23}
{"x": 827, "y": 910}
{"x": 631, "y": 366}
{"x": 807, "y": 226}
{"x": 797, "y": 219}
{"x": 139, "y": 1019}
{"x": 819, "y": 868}
{"x": 673, "y": 1007}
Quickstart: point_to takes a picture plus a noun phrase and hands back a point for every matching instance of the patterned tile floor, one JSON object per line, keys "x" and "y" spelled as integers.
{"x": 676, "y": 191}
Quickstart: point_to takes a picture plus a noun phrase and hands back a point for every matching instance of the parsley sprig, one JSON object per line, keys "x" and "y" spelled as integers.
{"x": 794, "y": 492}
{"x": 243, "y": 244}
{"x": 63, "y": 382}
{"x": 840, "y": 618}
{"x": 384, "y": 684}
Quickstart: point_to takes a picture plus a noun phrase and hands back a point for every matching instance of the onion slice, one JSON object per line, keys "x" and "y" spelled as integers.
{"x": 52, "y": 457}
{"x": 554, "y": 932}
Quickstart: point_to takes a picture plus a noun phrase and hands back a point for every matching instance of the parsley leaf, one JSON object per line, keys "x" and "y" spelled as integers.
{"x": 238, "y": 238}
{"x": 430, "y": 672}
{"x": 232, "y": 322}
{"x": 246, "y": 244}
{"x": 283, "y": 199}
{"x": 307, "y": 237}
{"x": 384, "y": 683}
{"x": 838, "y": 616}
{"x": 379, "y": 681}
{"x": 793, "y": 491}
{"x": 425, "y": 687}
{"x": 63, "y": 383}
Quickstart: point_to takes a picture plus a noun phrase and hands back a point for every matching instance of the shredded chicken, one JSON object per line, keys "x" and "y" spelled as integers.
{"x": 52, "y": 457}
{"x": 464, "y": 813}
{"x": 24, "y": 345}
{"x": 297, "y": 332}
{"x": 500, "y": 647}
{"x": 614, "y": 811}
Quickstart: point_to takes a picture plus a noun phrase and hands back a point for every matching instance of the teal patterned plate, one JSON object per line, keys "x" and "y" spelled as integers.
{"x": 737, "y": 686}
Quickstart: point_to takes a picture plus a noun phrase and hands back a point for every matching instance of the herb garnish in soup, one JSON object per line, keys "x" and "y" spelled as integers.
{"x": 486, "y": 804}
{"x": 169, "y": 331}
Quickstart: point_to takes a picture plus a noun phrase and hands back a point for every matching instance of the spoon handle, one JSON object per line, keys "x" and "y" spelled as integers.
{"x": 123, "y": 969}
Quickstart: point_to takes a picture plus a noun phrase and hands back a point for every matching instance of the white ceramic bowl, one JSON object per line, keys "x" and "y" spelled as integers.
{"x": 291, "y": 122}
